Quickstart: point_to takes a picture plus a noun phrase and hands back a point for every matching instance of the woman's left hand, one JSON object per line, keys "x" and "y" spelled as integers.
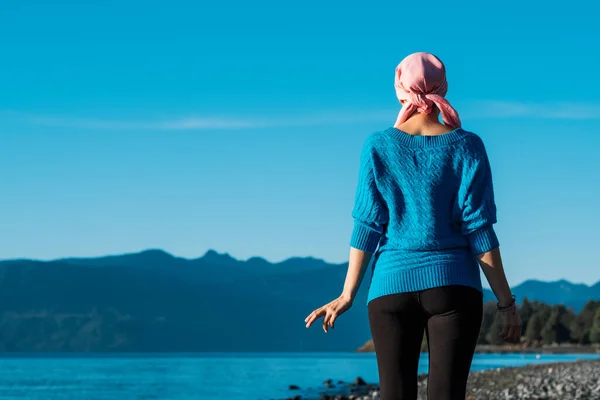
{"x": 330, "y": 312}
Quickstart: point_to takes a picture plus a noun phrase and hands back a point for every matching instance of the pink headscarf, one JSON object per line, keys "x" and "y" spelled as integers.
{"x": 421, "y": 81}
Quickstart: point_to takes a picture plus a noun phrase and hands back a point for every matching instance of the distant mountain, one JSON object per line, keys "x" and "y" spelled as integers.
{"x": 573, "y": 295}
{"x": 153, "y": 301}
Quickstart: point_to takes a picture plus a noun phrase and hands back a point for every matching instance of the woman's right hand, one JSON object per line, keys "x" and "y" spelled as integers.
{"x": 511, "y": 324}
{"x": 329, "y": 312}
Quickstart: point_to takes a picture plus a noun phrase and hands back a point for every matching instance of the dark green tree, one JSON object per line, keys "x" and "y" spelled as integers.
{"x": 543, "y": 309}
{"x": 489, "y": 313}
{"x": 534, "y": 327}
{"x": 555, "y": 330}
{"x": 568, "y": 319}
{"x": 542, "y": 321}
{"x": 526, "y": 311}
{"x": 494, "y": 333}
{"x": 595, "y": 328}
{"x": 580, "y": 328}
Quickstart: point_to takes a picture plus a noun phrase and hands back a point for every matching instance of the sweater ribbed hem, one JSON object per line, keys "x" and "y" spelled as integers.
{"x": 418, "y": 141}
{"x": 483, "y": 240}
{"x": 403, "y": 280}
{"x": 364, "y": 238}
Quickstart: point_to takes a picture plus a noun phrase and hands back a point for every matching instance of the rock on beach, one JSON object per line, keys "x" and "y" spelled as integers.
{"x": 577, "y": 380}
{"x": 573, "y": 381}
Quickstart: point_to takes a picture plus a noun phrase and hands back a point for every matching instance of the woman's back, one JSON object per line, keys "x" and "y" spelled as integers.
{"x": 428, "y": 201}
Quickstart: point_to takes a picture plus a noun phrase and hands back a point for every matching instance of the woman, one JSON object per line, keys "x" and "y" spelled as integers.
{"x": 424, "y": 210}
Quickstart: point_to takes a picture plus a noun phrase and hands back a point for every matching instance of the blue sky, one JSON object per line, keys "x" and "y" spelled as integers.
{"x": 131, "y": 125}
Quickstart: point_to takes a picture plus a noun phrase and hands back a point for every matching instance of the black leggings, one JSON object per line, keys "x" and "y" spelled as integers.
{"x": 451, "y": 318}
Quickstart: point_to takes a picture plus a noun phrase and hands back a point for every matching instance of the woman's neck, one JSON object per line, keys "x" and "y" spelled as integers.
{"x": 424, "y": 125}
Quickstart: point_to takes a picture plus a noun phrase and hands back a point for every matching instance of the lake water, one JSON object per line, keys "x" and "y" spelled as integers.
{"x": 205, "y": 377}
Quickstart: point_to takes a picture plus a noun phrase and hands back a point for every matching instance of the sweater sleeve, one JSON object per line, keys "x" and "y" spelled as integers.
{"x": 478, "y": 203}
{"x": 370, "y": 212}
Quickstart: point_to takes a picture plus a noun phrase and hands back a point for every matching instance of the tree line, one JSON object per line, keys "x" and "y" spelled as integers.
{"x": 546, "y": 324}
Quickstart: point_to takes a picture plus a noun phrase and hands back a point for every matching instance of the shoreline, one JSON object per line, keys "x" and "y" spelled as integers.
{"x": 516, "y": 348}
{"x": 573, "y": 380}
{"x": 559, "y": 349}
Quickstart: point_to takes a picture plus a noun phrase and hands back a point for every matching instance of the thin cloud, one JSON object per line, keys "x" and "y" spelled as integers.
{"x": 204, "y": 123}
{"x": 510, "y": 109}
{"x": 468, "y": 110}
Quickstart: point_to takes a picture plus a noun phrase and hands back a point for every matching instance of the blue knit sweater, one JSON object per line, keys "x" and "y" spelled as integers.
{"x": 425, "y": 207}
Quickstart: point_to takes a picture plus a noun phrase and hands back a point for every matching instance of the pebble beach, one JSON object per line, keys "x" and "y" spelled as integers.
{"x": 569, "y": 381}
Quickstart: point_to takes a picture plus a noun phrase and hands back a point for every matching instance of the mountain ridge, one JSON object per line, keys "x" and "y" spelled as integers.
{"x": 212, "y": 252}
{"x": 152, "y": 301}
{"x": 258, "y": 259}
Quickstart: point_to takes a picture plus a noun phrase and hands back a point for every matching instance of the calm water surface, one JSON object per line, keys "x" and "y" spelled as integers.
{"x": 206, "y": 377}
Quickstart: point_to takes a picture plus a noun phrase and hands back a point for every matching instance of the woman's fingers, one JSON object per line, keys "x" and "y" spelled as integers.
{"x": 512, "y": 328}
{"x": 330, "y": 319}
{"x": 309, "y": 317}
{"x": 329, "y": 312}
{"x": 518, "y": 330}
{"x": 327, "y": 321}
{"x": 516, "y": 334}
{"x": 313, "y": 316}
{"x": 515, "y": 326}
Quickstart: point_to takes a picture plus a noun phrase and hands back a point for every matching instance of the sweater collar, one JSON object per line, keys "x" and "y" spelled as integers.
{"x": 418, "y": 141}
